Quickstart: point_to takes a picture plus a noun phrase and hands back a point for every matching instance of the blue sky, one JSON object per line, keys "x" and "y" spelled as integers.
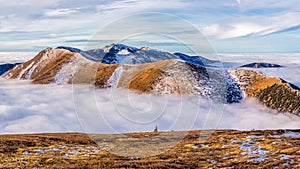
{"x": 230, "y": 25}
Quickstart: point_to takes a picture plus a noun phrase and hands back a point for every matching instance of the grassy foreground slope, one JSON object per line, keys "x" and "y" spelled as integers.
{"x": 223, "y": 149}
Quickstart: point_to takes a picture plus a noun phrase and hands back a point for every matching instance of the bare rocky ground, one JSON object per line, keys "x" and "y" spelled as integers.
{"x": 222, "y": 149}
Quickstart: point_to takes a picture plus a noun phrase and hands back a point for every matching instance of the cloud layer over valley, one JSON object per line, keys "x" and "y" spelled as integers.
{"x": 30, "y": 108}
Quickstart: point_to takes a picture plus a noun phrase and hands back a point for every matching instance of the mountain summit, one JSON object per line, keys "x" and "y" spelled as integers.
{"x": 123, "y": 54}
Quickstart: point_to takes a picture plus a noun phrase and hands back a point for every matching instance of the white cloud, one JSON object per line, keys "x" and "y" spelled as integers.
{"x": 130, "y": 6}
{"x": 233, "y": 30}
{"x": 221, "y": 19}
{"x": 15, "y": 57}
{"x": 60, "y": 12}
{"x": 25, "y": 107}
{"x": 254, "y": 25}
{"x": 250, "y": 4}
{"x": 212, "y": 30}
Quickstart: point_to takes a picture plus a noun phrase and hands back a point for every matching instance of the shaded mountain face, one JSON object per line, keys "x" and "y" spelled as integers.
{"x": 6, "y": 67}
{"x": 152, "y": 71}
{"x": 198, "y": 60}
{"x": 261, "y": 65}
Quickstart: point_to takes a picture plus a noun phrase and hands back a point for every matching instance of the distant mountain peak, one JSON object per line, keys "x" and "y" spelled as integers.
{"x": 115, "y": 48}
{"x": 118, "y": 53}
{"x": 71, "y": 49}
{"x": 261, "y": 65}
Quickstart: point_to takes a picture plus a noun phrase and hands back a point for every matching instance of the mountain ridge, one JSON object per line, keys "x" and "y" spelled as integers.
{"x": 188, "y": 76}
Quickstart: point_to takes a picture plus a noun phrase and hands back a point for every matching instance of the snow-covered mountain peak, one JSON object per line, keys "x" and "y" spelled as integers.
{"x": 116, "y": 48}
{"x": 123, "y": 54}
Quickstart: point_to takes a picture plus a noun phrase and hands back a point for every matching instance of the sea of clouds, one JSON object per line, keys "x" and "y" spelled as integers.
{"x": 15, "y": 57}
{"x": 33, "y": 108}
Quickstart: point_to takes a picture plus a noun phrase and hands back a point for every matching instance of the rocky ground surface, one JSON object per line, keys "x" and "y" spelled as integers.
{"x": 198, "y": 149}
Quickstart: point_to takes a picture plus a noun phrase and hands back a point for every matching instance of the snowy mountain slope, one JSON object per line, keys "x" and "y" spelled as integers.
{"x": 43, "y": 67}
{"x": 122, "y": 54}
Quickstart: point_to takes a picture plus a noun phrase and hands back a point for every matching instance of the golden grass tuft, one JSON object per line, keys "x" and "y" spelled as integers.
{"x": 145, "y": 80}
{"x": 45, "y": 74}
{"x": 104, "y": 72}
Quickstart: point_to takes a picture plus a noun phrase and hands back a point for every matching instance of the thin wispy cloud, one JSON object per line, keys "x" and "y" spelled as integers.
{"x": 60, "y": 12}
{"x": 217, "y": 19}
{"x": 250, "y": 26}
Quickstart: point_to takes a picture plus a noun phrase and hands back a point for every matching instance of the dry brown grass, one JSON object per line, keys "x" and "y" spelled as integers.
{"x": 103, "y": 74}
{"x": 45, "y": 74}
{"x": 254, "y": 81}
{"x": 145, "y": 80}
{"x": 13, "y": 73}
{"x": 223, "y": 149}
{"x": 260, "y": 84}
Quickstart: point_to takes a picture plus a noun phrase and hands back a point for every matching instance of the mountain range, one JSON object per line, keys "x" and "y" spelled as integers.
{"x": 148, "y": 70}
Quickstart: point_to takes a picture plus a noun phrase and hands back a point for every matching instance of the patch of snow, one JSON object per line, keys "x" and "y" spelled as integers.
{"x": 115, "y": 77}
{"x": 196, "y": 146}
{"x": 68, "y": 150}
{"x": 38, "y": 63}
{"x": 284, "y": 157}
{"x": 25, "y": 70}
{"x": 253, "y": 151}
{"x": 212, "y": 161}
{"x": 288, "y": 134}
{"x": 123, "y": 52}
{"x": 254, "y": 136}
{"x": 28, "y": 75}
{"x": 64, "y": 75}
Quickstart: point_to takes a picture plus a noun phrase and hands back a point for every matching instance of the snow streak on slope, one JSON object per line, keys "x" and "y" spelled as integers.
{"x": 65, "y": 74}
{"x": 23, "y": 71}
{"x": 115, "y": 77}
